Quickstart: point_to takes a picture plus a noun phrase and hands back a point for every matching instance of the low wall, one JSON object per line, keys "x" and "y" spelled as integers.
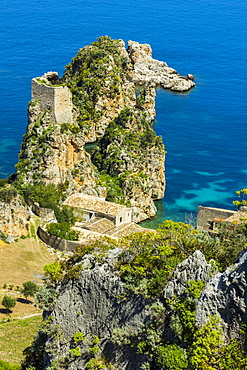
{"x": 56, "y": 242}
{"x": 207, "y": 214}
{"x": 39, "y": 211}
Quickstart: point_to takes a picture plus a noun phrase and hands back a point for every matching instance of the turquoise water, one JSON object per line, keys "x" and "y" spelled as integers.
{"x": 204, "y": 131}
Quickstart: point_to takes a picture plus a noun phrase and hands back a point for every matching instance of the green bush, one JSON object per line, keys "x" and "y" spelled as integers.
{"x": 63, "y": 230}
{"x": 8, "y": 302}
{"x": 171, "y": 357}
{"x": 29, "y": 289}
{"x": 3, "y": 182}
{"x": 46, "y": 195}
{"x": 7, "y": 193}
{"x": 87, "y": 73}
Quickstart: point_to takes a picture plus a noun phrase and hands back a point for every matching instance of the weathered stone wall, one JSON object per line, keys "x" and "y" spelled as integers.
{"x": 207, "y": 214}
{"x": 40, "y": 211}
{"x": 56, "y": 242}
{"x": 57, "y": 99}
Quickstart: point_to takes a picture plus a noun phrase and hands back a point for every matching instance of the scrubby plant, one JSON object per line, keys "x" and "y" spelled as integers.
{"x": 7, "y": 193}
{"x": 46, "y": 297}
{"x": 29, "y": 289}
{"x": 242, "y": 202}
{"x": 8, "y": 302}
{"x": 63, "y": 230}
{"x": 54, "y": 271}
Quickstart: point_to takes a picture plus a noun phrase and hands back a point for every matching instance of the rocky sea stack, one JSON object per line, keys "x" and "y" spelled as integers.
{"x": 106, "y": 97}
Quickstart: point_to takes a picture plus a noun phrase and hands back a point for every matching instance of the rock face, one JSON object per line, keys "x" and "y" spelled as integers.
{"x": 94, "y": 304}
{"x": 195, "y": 267}
{"x": 14, "y": 217}
{"x": 225, "y": 295}
{"x": 53, "y": 154}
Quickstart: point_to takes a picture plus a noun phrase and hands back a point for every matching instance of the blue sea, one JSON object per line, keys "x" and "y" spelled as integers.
{"x": 204, "y": 130}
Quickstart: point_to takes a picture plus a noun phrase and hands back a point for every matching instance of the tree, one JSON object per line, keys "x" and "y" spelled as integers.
{"x": 29, "y": 289}
{"x": 54, "y": 271}
{"x": 243, "y": 202}
{"x": 8, "y": 302}
{"x": 63, "y": 230}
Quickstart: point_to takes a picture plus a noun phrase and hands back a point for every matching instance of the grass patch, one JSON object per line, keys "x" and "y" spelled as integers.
{"x": 32, "y": 230}
{"x": 22, "y": 261}
{"x": 8, "y": 366}
{"x": 28, "y": 256}
{"x": 15, "y": 336}
{"x": 19, "y": 262}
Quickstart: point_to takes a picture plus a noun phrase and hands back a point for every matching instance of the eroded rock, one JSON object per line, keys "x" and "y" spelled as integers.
{"x": 225, "y": 296}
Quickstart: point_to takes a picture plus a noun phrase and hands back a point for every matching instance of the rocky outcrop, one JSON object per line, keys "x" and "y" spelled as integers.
{"x": 14, "y": 217}
{"x": 51, "y": 153}
{"x": 95, "y": 305}
{"x": 137, "y": 160}
{"x": 193, "y": 268}
{"x": 147, "y": 69}
{"x": 225, "y": 295}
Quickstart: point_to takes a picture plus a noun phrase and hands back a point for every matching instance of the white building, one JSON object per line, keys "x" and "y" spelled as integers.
{"x": 87, "y": 207}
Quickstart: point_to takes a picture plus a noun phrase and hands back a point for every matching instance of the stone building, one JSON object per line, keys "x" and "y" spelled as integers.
{"x": 87, "y": 207}
{"x": 55, "y": 98}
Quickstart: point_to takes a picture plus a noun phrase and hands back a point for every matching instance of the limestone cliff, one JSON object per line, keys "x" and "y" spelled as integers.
{"x": 131, "y": 151}
{"x": 67, "y": 113}
{"x": 14, "y": 215}
{"x": 225, "y": 295}
{"x": 95, "y": 305}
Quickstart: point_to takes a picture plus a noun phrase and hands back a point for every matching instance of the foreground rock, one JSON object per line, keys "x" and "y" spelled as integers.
{"x": 95, "y": 305}
{"x": 225, "y": 295}
{"x": 193, "y": 268}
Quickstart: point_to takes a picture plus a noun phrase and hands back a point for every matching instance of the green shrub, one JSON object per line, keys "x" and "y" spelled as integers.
{"x": 29, "y": 289}
{"x": 8, "y": 302}
{"x": 7, "y": 193}
{"x": 63, "y": 230}
{"x": 171, "y": 357}
{"x": 3, "y": 182}
{"x": 54, "y": 271}
{"x": 46, "y": 195}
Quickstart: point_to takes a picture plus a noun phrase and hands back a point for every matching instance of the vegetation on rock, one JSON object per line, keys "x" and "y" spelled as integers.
{"x": 170, "y": 339}
{"x": 99, "y": 78}
{"x": 97, "y": 70}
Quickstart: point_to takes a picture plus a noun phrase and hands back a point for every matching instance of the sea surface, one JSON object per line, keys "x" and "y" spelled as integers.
{"x": 204, "y": 130}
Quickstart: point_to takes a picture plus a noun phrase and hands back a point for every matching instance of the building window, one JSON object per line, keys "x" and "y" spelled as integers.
{"x": 121, "y": 219}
